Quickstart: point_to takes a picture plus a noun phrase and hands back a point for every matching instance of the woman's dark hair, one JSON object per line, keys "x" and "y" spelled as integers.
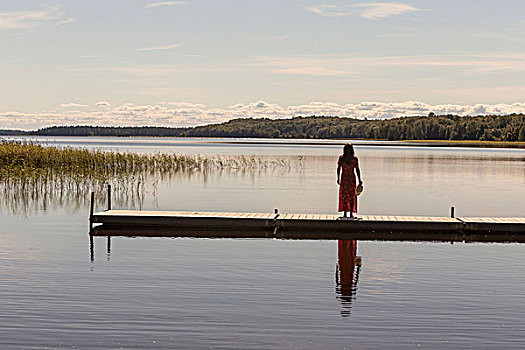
{"x": 348, "y": 153}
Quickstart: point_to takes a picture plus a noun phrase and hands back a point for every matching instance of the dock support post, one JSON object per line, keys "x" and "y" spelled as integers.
{"x": 91, "y": 248}
{"x": 109, "y": 197}
{"x": 91, "y": 212}
{"x": 91, "y": 243}
{"x": 452, "y": 212}
{"x": 108, "y": 248}
{"x": 275, "y": 226}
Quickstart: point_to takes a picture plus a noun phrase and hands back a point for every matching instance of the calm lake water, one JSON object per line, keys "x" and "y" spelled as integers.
{"x": 259, "y": 294}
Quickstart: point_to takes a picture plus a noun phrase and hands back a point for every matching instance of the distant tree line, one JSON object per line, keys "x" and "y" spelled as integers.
{"x": 446, "y": 127}
{"x": 152, "y": 131}
{"x": 449, "y": 127}
{"x": 122, "y": 131}
{"x": 4, "y": 132}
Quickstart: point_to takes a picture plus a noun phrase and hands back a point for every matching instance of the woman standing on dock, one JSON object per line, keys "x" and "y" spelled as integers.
{"x": 347, "y": 185}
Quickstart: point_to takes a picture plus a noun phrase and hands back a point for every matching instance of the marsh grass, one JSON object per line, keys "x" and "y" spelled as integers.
{"x": 36, "y": 178}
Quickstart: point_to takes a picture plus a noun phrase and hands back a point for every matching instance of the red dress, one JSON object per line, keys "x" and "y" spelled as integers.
{"x": 347, "y": 196}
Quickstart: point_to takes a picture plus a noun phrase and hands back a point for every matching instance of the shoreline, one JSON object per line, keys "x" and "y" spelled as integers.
{"x": 402, "y": 143}
{"x": 309, "y": 142}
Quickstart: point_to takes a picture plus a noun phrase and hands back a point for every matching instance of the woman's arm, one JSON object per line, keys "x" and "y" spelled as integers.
{"x": 358, "y": 174}
{"x": 338, "y": 173}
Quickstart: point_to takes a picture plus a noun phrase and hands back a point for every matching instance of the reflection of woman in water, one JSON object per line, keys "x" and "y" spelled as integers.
{"x": 346, "y": 275}
{"x": 349, "y": 164}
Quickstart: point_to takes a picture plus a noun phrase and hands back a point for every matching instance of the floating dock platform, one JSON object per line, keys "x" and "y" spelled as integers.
{"x": 134, "y": 223}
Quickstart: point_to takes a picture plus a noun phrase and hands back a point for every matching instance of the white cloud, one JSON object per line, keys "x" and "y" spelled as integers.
{"x": 478, "y": 63}
{"x": 338, "y": 65}
{"x": 373, "y": 11}
{"x": 164, "y": 47}
{"x": 301, "y": 66}
{"x": 165, "y": 3}
{"x": 185, "y": 105}
{"x": 66, "y": 21}
{"x": 190, "y": 114}
{"x": 334, "y": 66}
{"x": 72, "y": 105}
{"x": 103, "y": 104}
{"x": 380, "y": 10}
{"x": 328, "y": 10}
{"x": 29, "y": 19}
{"x": 154, "y": 70}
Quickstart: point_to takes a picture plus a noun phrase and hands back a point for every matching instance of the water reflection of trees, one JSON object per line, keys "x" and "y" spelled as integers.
{"x": 347, "y": 274}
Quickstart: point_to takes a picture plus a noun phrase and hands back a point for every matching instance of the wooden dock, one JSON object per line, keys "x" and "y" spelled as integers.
{"x": 305, "y": 226}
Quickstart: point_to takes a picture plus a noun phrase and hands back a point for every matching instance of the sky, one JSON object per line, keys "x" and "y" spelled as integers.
{"x": 194, "y": 62}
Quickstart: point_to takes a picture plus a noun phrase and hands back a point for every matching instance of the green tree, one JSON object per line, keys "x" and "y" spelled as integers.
{"x": 521, "y": 136}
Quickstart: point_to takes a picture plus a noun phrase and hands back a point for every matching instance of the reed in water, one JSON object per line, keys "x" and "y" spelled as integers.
{"x": 33, "y": 176}
{"x": 28, "y": 158}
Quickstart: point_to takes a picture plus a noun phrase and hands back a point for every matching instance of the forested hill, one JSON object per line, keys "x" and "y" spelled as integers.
{"x": 489, "y": 128}
{"x": 108, "y": 131}
{"x": 486, "y": 128}
{"x": 4, "y": 132}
